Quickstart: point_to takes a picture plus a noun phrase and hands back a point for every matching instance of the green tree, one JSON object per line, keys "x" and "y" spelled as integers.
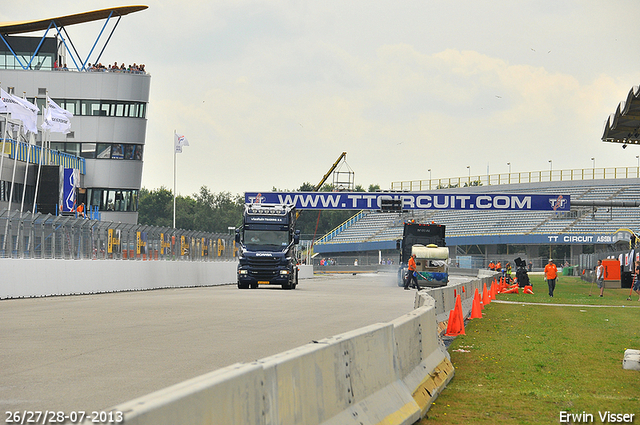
{"x": 155, "y": 207}
{"x": 216, "y": 212}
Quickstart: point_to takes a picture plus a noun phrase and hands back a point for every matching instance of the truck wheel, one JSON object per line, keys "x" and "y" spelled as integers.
{"x": 254, "y": 286}
{"x": 243, "y": 285}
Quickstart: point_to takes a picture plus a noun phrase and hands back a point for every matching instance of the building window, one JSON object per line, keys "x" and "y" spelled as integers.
{"x": 117, "y": 151}
{"x": 120, "y": 200}
{"x": 103, "y": 151}
{"x": 88, "y": 150}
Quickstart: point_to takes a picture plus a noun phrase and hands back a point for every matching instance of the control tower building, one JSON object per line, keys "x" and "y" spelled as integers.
{"x": 106, "y": 144}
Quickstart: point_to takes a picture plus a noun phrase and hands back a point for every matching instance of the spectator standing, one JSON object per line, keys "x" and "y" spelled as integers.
{"x": 600, "y": 277}
{"x": 636, "y": 280}
{"x": 551, "y": 275}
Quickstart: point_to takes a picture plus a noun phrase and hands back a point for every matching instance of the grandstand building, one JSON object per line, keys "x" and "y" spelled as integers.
{"x": 107, "y": 141}
{"x": 597, "y": 224}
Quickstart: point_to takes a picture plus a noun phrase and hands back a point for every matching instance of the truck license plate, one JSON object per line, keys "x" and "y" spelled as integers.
{"x": 263, "y": 282}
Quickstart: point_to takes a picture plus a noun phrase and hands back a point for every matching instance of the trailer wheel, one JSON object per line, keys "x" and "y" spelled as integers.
{"x": 243, "y": 285}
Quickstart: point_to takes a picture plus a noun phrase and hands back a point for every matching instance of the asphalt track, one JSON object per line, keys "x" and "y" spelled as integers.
{"x": 91, "y": 352}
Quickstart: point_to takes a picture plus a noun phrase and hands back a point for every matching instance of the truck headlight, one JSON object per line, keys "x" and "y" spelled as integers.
{"x": 284, "y": 271}
{"x": 242, "y": 272}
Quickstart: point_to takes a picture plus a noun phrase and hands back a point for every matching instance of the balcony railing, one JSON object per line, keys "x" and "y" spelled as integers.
{"x": 517, "y": 178}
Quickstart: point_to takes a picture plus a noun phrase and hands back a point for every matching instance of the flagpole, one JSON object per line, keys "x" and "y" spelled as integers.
{"x": 42, "y": 145}
{"x": 26, "y": 168}
{"x": 5, "y": 133}
{"x": 174, "y": 179}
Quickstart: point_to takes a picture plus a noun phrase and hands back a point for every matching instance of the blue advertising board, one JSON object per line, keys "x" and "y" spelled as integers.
{"x": 413, "y": 201}
{"x": 69, "y": 185}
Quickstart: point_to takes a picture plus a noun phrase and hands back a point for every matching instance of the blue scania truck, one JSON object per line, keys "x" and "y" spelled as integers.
{"x": 268, "y": 240}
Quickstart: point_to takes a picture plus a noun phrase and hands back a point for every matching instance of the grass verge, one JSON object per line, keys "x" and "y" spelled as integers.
{"x": 526, "y": 363}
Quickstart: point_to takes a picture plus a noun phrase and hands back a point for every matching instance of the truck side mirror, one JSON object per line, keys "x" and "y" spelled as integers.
{"x": 296, "y": 237}
{"x": 237, "y": 236}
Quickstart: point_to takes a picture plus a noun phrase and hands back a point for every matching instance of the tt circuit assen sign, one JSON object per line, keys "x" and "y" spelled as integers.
{"x": 412, "y": 201}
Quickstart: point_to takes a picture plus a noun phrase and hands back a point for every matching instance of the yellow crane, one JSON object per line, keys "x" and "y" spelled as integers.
{"x": 331, "y": 170}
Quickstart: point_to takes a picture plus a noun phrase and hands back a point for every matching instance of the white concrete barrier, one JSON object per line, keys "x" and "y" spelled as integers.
{"x": 39, "y": 277}
{"x": 423, "y": 362}
{"x": 349, "y": 378}
{"x": 380, "y": 374}
{"x": 232, "y": 395}
{"x": 631, "y": 360}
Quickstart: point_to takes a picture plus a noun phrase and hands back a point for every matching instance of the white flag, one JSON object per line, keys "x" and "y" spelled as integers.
{"x": 179, "y": 141}
{"x": 55, "y": 122}
{"x": 57, "y": 109}
{"x": 21, "y": 109}
{"x": 3, "y": 107}
{"x": 30, "y": 114}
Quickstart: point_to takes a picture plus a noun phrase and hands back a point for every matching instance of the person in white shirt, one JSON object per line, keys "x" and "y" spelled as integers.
{"x": 600, "y": 277}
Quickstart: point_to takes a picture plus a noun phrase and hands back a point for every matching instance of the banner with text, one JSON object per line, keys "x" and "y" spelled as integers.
{"x": 412, "y": 201}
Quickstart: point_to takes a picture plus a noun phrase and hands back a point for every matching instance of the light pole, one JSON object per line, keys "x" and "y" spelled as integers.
{"x": 638, "y": 159}
{"x": 550, "y": 169}
{"x": 469, "y": 168}
{"x": 594, "y": 167}
{"x": 509, "y": 164}
{"x": 429, "y": 170}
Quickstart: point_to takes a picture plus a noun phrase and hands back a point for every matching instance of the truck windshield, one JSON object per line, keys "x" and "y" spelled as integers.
{"x": 269, "y": 240}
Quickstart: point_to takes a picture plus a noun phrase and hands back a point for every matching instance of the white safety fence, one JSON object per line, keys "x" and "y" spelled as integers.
{"x": 384, "y": 373}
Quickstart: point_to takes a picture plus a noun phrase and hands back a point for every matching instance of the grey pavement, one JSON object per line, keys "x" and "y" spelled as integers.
{"x": 91, "y": 352}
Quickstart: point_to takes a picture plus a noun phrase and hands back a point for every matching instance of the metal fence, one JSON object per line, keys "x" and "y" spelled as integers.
{"x": 519, "y": 178}
{"x": 29, "y": 235}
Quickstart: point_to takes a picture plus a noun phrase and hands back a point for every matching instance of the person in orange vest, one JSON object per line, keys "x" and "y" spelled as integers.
{"x": 492, "y": 266}
{"x": 80, "y": 210}
{"x": 550, "y": 275}
{"x": 499, "y": 267}
{"x": 411, "y": 273}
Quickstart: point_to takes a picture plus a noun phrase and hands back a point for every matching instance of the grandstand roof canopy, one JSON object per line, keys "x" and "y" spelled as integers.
{"x": 78, "y": 18}
{"x": 623, "y": 126}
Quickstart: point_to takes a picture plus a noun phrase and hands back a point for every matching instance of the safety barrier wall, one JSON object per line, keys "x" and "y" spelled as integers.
{"x": 384, "y": 373}
{"x": 38, "y": 278}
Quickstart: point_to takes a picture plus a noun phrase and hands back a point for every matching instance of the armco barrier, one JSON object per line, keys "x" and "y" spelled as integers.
{"x": 380, "y": 374}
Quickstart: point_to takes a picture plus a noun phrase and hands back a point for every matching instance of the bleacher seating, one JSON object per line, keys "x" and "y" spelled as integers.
{"x": 375, "y": 226}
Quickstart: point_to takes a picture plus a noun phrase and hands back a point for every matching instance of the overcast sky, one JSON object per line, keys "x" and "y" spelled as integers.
{"x": 269, "y": 93}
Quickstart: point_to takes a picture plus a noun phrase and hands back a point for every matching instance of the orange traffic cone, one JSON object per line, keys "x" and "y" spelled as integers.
{"x": 512, "y": 290}
{"x": 485, "y": 296}
{"x": 528, "y": 290}
{"x": 476, "y": 310}
{"x": 451, "y": 324}
{"x": 460, "y": 314}
{"x": 455, "y": 326}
